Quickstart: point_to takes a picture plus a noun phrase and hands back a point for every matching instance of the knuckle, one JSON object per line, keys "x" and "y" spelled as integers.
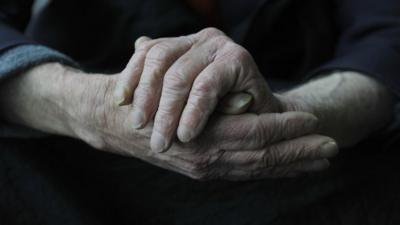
{"x": 234, "y": 52}
{"x": 144, "y": 89}
{"x": 158, "y": 54}
{"x": 172, "y": 96}
{"x": 201, "y": 163}
{"x": 205, "y": 86}
{"x": 200, "y": 104}
{"x": 199, "y": 170}
{"x": 172, "y": 92}
{"x": 200, "y": 167}
{"x": 165, "y": 119}
{"x": 220, "y": 40}
{"x": 197, "y": 110}
{"x": 176, "y": 80}
{"x": 210, "y": 32}
{"x": 144, "y": 47}
{"x": 239, "y": 53}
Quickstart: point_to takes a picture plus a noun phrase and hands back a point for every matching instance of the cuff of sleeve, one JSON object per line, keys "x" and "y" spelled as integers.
{"x": 17, "y": 60}
{"x": 24, "y": 57}
{"x": 375, "y": 59}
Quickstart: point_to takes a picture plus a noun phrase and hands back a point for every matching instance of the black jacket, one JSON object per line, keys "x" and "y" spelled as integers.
{"x": 60, "y": 181}
{"x": 289, "y": 39}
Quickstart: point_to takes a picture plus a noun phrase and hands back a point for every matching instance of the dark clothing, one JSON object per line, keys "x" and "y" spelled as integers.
{"x": 288, "y": 38}
{"x": 62, "y": 181}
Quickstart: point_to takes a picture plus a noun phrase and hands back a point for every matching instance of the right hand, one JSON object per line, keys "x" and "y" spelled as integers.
{"x": 240, "y": 147}
{"x": 180, "y": 81}
{"x": 58, "y": 100}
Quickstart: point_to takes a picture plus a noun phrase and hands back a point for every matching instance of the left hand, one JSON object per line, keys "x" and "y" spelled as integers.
{"x": 60, "y": 100}
{"x": 181, "y": 80}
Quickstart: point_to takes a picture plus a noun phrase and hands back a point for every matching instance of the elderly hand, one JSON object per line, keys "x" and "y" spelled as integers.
{"x": 244, "y": 147}
{"x": 58, "y": 100}
{"x": 181, "y": 80}
{"x": 241, "y": 147}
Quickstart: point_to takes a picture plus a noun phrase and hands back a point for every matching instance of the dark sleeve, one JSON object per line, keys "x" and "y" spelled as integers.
{"x": 14, "y": 17}
{"x": 369, "y": 40}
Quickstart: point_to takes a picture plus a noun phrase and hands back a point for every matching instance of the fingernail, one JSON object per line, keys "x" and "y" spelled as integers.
{"x": 318, "y": 165}
{"x": 236, "y": 103}
{"x": 329, "y": 150}
{"x": 137, "y": 119}
{"x": 185, "y": 134}
{"x": 242, "y": 103}
{"x": 118, "y": 101}
{"x": 158, "y": 143}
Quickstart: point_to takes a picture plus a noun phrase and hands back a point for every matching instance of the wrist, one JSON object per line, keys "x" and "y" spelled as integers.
{"x": 339, "y": 100}
{"x": 50, "y": 98}
{"x": 33, "y": 99}
{"x": 87, "y": 102}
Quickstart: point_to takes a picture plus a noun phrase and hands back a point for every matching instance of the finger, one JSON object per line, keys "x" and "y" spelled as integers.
{"x": 130, "y": 76}
{"x": 233, "y": 70}
{"x": 176, "y": 88}
{"x": 311, "y": 147}
{"x": 249, "y": 79}
{"x": 147, "y": 94}
{"x": 249, "y": 131}
{"x": 286, "y": 171}
{"x": 210, "y": 85}
{"x": 141, "y": 40}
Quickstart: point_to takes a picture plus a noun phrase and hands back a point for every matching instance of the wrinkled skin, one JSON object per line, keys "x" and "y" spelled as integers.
{"x": 232, "y": 147}
{"x": 241, "y": 147}
{"x": 249, "y": 147}
{"x": 287, "y": 134}
{"x": 181, "y": 80}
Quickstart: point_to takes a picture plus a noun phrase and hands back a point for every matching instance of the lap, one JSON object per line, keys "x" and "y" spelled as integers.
{"x": 61, "y": 181}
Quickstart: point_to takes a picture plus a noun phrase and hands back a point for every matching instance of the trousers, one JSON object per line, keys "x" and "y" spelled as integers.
{"x": 62, "y": 181}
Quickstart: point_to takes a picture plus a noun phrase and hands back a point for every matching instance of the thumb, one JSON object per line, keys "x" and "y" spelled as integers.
{"x": 235, "y": 103}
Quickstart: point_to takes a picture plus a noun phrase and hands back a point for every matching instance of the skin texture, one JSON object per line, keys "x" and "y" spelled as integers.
{"x": 179, "y": 82}
{"x": 58, "y": 100}
{"x": 182, "y": 80}
{"x": 295, "y": 135}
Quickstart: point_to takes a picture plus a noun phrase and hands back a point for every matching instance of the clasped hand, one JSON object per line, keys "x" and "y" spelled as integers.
{"x": 181, "y": 81}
